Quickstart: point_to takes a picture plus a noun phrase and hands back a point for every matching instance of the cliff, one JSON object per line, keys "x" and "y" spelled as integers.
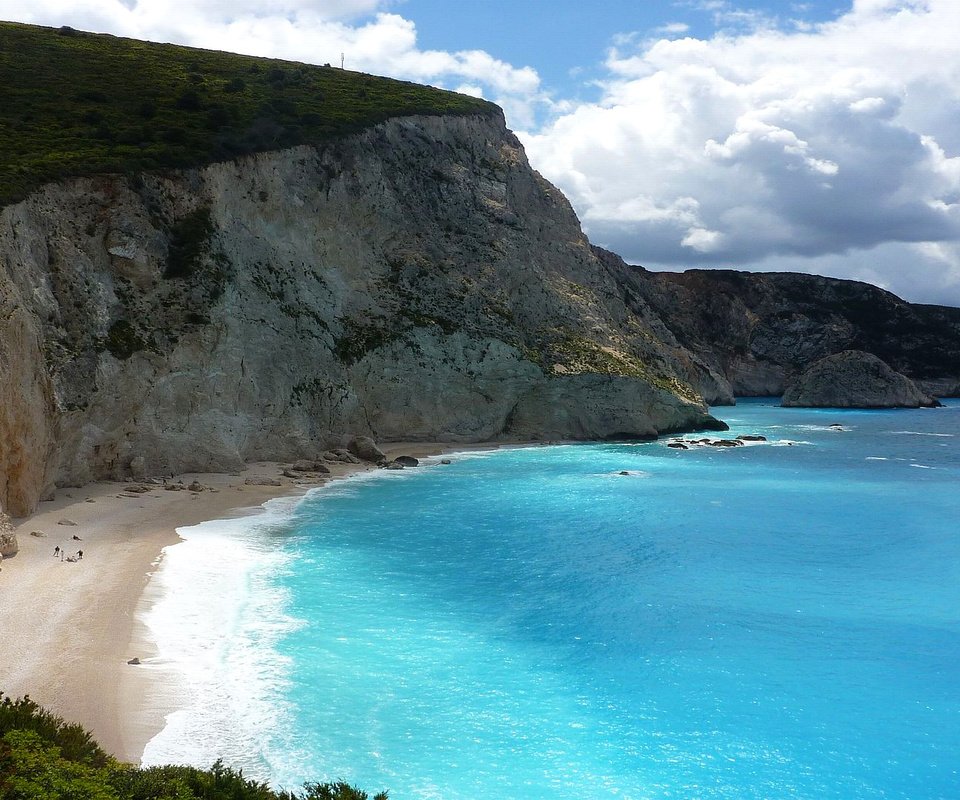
{"x": 761, "y": 330}
{"x": 414, "y": 281}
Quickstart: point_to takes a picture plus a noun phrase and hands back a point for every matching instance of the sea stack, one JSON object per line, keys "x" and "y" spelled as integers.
{"x": 854, "y": 379}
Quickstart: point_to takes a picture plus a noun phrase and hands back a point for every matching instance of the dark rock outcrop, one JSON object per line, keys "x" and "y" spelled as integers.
{"x": 854, "y": 379}
{"x": 759, "y": 331}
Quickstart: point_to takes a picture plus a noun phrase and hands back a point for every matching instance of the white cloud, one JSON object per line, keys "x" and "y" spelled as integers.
{"x": 827, "y": 145}
{"x": 673, "y": 28}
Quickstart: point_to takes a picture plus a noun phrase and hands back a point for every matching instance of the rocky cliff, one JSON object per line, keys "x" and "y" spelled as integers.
{"x": 761, "y": 330}
{"x": 414, "y": 281}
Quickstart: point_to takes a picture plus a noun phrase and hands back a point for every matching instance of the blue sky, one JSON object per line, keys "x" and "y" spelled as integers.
{"x": 565, "y": 40}
{"x": 819, "y": 136}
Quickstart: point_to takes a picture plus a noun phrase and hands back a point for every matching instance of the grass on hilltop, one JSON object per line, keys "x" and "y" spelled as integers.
{"x": 42, "y": 757}
{"x": 74, "y": 103}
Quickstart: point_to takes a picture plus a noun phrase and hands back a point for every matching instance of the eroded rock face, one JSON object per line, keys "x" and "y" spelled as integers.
{"x": 761, "y": 330}
{"x": 27, "y": 410}
{"x": 8, "y": 539}
{"x": 417, "y": 281}
{"x": 854, "y": 379}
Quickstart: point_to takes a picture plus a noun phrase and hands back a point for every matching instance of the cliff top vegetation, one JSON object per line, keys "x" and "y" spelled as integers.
{"x": 75, "y": 103}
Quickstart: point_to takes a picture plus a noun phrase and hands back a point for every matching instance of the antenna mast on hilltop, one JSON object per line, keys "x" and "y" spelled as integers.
{"x": 341, "y": 61}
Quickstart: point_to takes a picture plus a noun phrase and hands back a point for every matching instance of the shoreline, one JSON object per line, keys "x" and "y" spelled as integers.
{"x": 72, "y": 626}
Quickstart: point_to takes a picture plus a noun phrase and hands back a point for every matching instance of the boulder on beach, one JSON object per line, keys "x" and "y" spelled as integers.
{"x": 365, "y": 448}
{"x": 310, "y": 466}
{"x": 407, "y": 461}
{"x": 854, "y": 379}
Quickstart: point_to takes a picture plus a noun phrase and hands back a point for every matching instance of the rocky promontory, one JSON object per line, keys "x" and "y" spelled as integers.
{"x": 854, "y": 379}
{"x": 411, "y": 280}
{"x": 760, "y": 331}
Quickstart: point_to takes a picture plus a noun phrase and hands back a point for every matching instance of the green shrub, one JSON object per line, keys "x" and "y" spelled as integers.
{"x": 74, "y": 742}
{"x": 32, "y": 769}
{"x": 189, "y": 240}
{"x": 189, "y": 100}
{"x": 122, "y": 340}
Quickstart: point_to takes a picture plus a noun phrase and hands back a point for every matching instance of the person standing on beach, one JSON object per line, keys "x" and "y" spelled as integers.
{"x": 56, "y": 551}
{"x": 80, "y": 555}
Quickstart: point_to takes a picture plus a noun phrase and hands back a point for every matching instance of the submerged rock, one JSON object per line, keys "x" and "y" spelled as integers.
{"x": 854, "y": 379}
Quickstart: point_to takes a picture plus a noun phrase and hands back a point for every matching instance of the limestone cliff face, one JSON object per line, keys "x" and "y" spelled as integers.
{"x": 415, "y": 281}
{"x": 761, "y": 330}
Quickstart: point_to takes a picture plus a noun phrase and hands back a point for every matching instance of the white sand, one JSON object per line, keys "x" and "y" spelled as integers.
{"x": 69, "y": 628}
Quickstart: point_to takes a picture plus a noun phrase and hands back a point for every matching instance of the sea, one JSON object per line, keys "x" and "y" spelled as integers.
{"x": 775, "y": 620}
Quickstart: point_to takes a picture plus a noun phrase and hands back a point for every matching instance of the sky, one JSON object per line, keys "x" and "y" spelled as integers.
{"x": 819, "y": 136}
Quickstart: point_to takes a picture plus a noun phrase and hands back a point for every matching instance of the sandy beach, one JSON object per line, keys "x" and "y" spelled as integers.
{"x": 72, "y": 625}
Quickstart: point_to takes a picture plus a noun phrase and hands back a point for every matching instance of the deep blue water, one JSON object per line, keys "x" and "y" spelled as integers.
{"x": 772, "y": 621}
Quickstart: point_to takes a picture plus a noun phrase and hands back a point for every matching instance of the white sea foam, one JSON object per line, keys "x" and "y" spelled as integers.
{"x": 215, "y": 620}
{"x": 923, "y": 433}
{"x": 215, "y": 615}
{"x": 632, "y": 473}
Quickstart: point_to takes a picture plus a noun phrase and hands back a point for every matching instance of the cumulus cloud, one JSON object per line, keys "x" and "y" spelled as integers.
{"x": 369, "y": 34}
{"x": 819, "y": 146}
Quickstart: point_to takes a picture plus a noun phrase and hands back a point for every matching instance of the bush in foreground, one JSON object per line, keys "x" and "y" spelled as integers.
{"x": 42, "y": 757}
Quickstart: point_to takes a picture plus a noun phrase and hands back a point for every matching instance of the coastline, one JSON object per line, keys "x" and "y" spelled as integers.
{"x": 75, "y": 625}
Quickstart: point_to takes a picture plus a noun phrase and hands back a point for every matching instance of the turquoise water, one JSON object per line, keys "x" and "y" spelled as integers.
{"x": 772, "y": 621}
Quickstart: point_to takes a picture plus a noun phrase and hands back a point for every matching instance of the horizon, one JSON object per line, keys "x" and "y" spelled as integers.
{"x": 760, "y": 136}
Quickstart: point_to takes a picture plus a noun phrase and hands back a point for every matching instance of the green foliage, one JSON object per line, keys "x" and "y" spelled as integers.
{"x": 78, "y": 103}
{"x": 336, "y": 791}
{"x": 74, "y": 742}
{"x": 359, "y": 338}
{"x": 44, "y": 758}
{"x": 189, "y": 240}
{"x": 122, "y": 340}
{"x": 32, "y": 769}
